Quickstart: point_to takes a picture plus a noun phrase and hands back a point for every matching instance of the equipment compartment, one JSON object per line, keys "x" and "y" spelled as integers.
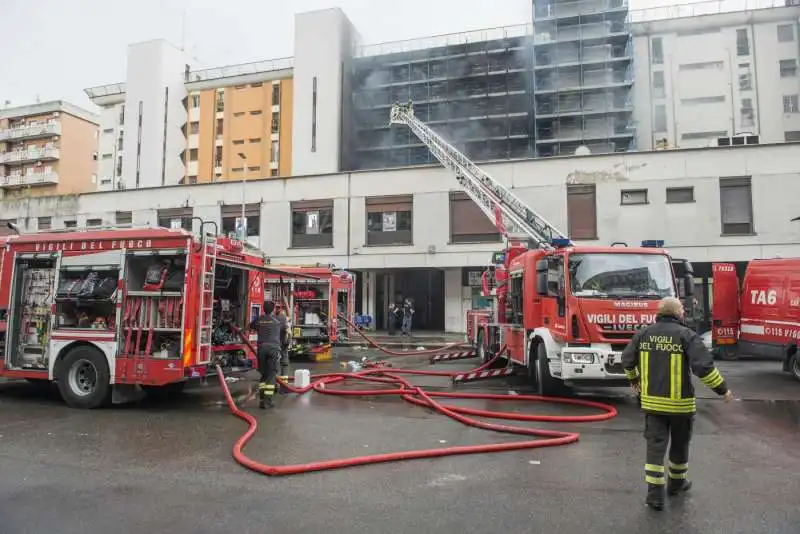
{"x": 86, "y": 296}
{"x": 32, "y": 297}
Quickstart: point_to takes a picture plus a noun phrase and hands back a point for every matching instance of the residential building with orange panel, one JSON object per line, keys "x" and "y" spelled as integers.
{"x": 240, "y": 122}
{"x": 46, "y": 149}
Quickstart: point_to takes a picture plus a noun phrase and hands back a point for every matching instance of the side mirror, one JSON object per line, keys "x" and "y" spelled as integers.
{"x": 688, "y": 285}
{"x": 541, "y": 278}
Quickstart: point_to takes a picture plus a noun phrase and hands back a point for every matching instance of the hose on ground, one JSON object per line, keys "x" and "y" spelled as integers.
{"x": 371, "y": 341}
{"x": 394, "y": 384}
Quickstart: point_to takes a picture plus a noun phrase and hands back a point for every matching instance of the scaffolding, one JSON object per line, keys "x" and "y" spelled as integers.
{"x": 583, "y": 76}
{"x": 475, "y": 89}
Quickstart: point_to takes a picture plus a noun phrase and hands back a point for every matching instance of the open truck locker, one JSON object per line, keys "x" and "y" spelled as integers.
{"x": 101, "y": 312}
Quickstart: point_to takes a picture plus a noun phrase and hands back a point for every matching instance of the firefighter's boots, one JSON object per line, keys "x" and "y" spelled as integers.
{"x": 265, "y": 393}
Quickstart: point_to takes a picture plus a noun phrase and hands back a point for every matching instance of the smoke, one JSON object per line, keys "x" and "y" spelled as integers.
{"x": 452, "y": 93}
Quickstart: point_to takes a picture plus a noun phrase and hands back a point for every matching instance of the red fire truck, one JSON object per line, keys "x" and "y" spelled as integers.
{"x": 763, "y": 319}
{"x": 104, "y": 311}
{"x": 312, "y": 306}
{"x": 564, "y": 311}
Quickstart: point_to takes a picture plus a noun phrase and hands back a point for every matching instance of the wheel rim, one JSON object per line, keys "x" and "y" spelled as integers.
{"x": 796, "y": 367}
{"x": 83, "y": 378}
{"x": 481, "y": 349}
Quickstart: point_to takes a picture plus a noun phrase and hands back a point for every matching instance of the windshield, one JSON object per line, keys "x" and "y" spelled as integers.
{"x": 621, "y": 276}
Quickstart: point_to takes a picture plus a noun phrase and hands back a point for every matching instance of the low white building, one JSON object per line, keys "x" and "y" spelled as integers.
{"x": 408, "y": 231}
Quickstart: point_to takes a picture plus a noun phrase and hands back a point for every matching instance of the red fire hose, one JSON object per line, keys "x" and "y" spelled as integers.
{"x": 394, "y": 384}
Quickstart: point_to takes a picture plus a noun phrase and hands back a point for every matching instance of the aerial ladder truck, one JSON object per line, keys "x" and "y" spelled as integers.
{"x": 563, "y": 312}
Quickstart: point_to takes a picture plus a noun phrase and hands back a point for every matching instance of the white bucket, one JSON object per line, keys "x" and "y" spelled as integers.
{"x": 302, "y": 378}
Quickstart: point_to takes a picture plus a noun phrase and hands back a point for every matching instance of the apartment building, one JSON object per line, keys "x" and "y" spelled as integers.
{"x": 705, "y": 77}
{"x": 47, "y": 149}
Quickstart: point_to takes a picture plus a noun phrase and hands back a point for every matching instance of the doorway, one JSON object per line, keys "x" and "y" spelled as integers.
{"x": 425, "y": 288}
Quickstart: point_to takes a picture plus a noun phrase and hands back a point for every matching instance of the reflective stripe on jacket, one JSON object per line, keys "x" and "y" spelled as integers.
{"x": 662, "y": 358}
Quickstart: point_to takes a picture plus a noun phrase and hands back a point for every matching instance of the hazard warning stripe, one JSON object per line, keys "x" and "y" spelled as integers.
{"x": 463, "y": 355}
{"x": 479, "y": 375}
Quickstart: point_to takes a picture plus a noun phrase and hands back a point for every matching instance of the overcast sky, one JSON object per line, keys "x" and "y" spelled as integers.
{"x": 53, "y": 49}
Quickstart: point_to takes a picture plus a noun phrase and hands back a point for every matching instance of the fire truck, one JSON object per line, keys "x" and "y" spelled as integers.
{"x": 101, "y": 312}
{"x": 763, "y": 319}
{"x": 312, "y": 306}
{"x": 563, "y": 311}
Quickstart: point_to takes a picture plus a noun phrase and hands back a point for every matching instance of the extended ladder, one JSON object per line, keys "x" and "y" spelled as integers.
{"x": 513, "y": 218}
{"x": 205, "y": 320}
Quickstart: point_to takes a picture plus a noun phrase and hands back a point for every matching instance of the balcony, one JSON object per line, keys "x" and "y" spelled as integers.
{"x": 25, "y": 156}
{"x": 33, "y": 179}
{"x": 31, "y": 132}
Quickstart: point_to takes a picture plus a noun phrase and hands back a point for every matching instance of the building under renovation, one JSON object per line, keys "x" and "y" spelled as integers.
{"x": 582, "y": 76}
{"x": 474, "y": 88}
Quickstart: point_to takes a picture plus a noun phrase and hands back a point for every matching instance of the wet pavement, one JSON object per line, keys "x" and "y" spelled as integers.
{"x": 166, "y": 466}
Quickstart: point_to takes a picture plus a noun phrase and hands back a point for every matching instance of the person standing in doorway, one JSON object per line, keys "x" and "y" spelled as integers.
{"x": 408, "y": 314}
{"x": 392, "y": 318}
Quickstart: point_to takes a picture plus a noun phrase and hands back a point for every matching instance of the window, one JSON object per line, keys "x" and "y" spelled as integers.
{"x": 689, "y": 136}
{"x": 239, "y": 86}
{"x": 119, "y": 166}
{"x": 237, "y": 169}
{"x": 745, "y": 77}
{"x": 218, "y": 156}
{"x": 680, "y": 195}
{"x": 312, "y": 224}
{"x": 108, "y": 131}
{"x": 611, "y": 274}
{"x": 790, "y": 104}
{"x": 238, "y": 114}
{"x": 276, "y": 123}
{"x": 658, "y": 84}
{"x": 192, "y": 154}
{"x": 176, "y": 218}
{"x": 313, "y": 115}
{"x": 791, "y": 136}
{"x": 193, "y": 179}
{"x": 736, "y": 204}
{"x": 255, "y": 112}
{"x": 94, "y": 222}
{"x": 702, "y": 65}
{"x": 276, "y": 94}
{"x": 742, "y": 43}
{"x": 255, "y": 140}
{"x": 582, "y": 211}
{"x": 657, "y": 51}
{"x": 516, "y": 298}
{"x": 70, "y": 224}
{"x": 123, "y": 217}
{"x": 273, "y": 172}
{"x": 220, "y": 101}
{"x": 633, "y": 196}
{"x": 257, "y": 84}
{"x": 273, "y": 157}
{"x": 238, "y": 141}
{"x": 232, "y": 217}
{"x": 785, "y": 33}
{"x": 254, "y": 169}
{"x": 660, "y": 118}
{"x": 122, "y": 115}
{"x": 748, "y": 115}
{"x": 788, "y": 68}
{"x": 220, "y": 128}
{"x": 108, "y": 156}
{"x": 468, "y": 224}
{"x": 389, "y": 220}
{"x": 195, "y": 101}
{"x": 44, "y": 223}
{"x": 700, "y": 100}
{"x": 194, "y": 127}
{"x": 120, "y": 142}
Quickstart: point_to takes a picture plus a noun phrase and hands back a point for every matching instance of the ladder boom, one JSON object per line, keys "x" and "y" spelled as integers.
{"x": 492, "y": 197}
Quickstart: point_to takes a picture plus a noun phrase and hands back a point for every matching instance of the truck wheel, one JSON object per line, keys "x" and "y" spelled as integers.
{"x": 547, "y": 385}
{"x": 728, "y": 353}
{"x": 794, "y": 365}
{"x": 83, "y": 378}
{"x": 485, "y": 355}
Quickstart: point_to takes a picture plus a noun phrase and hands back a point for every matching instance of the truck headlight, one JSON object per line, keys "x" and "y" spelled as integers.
{"x": 578, "y": 357}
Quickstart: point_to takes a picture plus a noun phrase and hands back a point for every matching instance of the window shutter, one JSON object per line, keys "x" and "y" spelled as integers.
{"x": 582, "y": 211}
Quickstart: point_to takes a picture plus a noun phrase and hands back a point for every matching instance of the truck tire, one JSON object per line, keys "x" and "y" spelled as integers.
{"x": 728, "y": 354}
{"x": 484, "y": 354}
{"x": 547, "y": 385}
{"x": 794, "y": 365}
{"x": 83, "y": 378}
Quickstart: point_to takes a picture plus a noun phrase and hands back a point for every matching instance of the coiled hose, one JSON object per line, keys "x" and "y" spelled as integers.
{"x": 394, "y": 384}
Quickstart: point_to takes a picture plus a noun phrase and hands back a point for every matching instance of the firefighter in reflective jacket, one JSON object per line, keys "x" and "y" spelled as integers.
{"x": 659, "y": 362}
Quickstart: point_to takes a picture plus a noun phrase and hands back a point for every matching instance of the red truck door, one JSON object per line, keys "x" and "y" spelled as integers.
{"x": 725, "y": 312}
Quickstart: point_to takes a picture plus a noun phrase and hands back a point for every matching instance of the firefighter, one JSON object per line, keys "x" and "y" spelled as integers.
{"x": 659, "y": 362}
{"x": 271, "y": 331}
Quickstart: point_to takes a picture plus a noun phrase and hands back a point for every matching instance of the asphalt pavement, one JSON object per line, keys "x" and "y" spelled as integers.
{"x": 165, "y": 466}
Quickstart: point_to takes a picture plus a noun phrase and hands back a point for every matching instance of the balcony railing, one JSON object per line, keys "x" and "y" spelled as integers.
{"x": 36, "y": 130}
{"x": 697, "y": 9}
{"x": 241, "y": 70}
{"x": 30, "y": 155}
{"x": 37, "y": 178}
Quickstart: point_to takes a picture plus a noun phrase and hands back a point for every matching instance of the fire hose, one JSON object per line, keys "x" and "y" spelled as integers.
{"x": 394, "y": 384}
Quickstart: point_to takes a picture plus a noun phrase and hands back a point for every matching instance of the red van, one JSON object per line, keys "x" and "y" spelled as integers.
{"x": 763, "y": 319}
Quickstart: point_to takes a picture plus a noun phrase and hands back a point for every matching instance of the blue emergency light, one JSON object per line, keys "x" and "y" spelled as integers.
{"x": 561, "y": 242}
{"x": 653, "y": 243}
